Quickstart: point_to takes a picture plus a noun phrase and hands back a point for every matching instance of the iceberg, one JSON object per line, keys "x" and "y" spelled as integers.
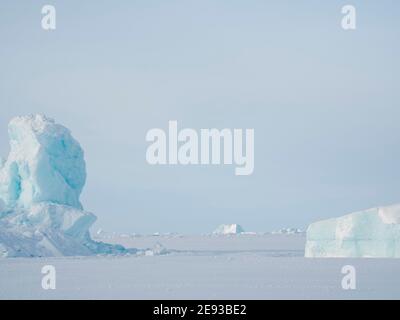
{"x": 225, "y": 229}
{"x": 373, "y": 233}
{"x": 288, "y": 231}
{"x": 40, "y": 186}
{"x": 45, "y": 164}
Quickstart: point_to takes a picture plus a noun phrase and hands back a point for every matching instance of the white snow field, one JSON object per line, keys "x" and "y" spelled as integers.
{"x": 202, "y": 267}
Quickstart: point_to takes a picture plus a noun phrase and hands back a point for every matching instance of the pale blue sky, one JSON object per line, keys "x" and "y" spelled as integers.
{"x": 324, "y": 103}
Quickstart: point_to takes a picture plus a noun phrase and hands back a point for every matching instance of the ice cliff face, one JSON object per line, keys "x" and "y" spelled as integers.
{"x": 40, "y": 185}
{"x": 370, "y": 233}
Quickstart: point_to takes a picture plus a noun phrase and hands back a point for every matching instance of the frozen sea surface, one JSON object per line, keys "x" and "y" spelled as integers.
{"x": 202, "y": 267}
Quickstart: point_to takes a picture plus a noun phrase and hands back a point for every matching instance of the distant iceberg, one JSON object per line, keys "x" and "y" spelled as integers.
{"x": 225, "y": 229}
{"x": 288, "y": 231}
{"x": 40, "y": 185}
{"x": 371, "y": 233}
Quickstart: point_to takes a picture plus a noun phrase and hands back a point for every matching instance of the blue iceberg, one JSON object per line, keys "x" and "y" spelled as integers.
{"x": 373, "y": 233}
{"x": 40, "y": 185}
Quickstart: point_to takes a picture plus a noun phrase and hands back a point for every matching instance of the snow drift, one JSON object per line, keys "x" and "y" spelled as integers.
{"x": 370, "y": 233}
{"x": 40, "y": 185}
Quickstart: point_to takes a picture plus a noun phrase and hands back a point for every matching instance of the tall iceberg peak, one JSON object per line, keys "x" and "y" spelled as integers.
{"x": 45, "y": 164}
{"x": 40, "y": 185}
{"x": 370, "y": 233}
